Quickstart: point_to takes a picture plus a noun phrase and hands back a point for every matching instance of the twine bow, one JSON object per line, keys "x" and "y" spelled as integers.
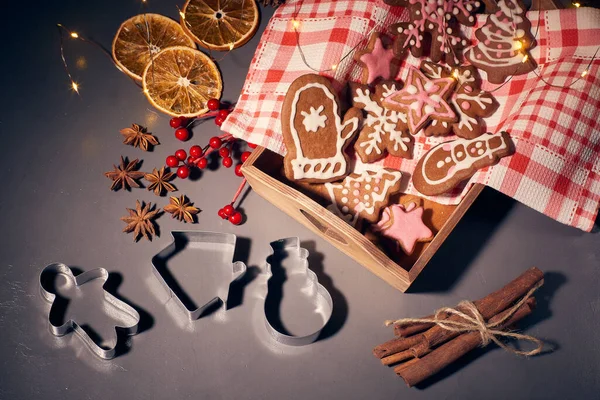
{"x": 473, "y": 321}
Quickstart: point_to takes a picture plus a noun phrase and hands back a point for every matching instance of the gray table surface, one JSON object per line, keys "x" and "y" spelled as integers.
{"x": 56, "y": 206}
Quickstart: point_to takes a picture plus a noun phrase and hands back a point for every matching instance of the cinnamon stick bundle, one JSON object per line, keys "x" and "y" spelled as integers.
{"x": 425, "y": 347}
{"x": 488, "y": 306}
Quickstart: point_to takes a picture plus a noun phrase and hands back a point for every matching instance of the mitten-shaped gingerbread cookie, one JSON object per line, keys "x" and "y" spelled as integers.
{"x": 314, "y": 133}
{"x": 449, "y": 163}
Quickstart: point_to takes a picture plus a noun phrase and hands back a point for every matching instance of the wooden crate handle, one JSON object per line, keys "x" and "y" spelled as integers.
{"x": 323, "y": 228}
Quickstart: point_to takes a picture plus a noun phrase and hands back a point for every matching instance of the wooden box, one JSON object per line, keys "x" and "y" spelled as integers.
{"x": 263, "y": 172}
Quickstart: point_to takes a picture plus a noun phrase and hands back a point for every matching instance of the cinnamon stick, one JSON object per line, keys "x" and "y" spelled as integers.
{"x": 411, "y": 329}
{"x": 417, "y": 370}
{"x": 488, "y": 306}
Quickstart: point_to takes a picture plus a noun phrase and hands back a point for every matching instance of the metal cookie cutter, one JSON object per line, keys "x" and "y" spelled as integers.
{"x": 70, "y": 325}
{"x": 182, "y": 239}
{"x": 321, "y": 296}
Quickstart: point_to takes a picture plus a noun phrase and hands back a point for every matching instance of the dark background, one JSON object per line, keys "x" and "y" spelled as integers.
{"x": 56, "y": 206}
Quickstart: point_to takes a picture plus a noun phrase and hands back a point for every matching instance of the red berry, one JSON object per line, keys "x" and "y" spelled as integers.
{"x": 224, "y": 152}
{"x": 202, "y": 163}
{"x": 219, "y": 121}
{"x": 236, "y": 218}
{"x": 223, "y": 113}
{"x": 172, "y": 161}
{"x": 196, "y": 151}
{"x": 181, "y": 154}
{"x": 183, "y": 172}
{"x": 227, "y": 162}
{"x": 238, "y": 170}
{"x": 222, "y": 214}
{"x": 191, "y": 160}
{"x": 213, "y": 104}
{"x": 252, "y": 145}
{"x": 182, "y": 134}
{"x": 176, "y": 122}
{"x": 229, "y": 210}
{"x": 245, "y": 156}
{"x": 215, "y": 142}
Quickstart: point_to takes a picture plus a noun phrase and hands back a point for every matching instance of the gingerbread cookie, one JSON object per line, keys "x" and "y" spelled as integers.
{"x": 375, "y": 60}
{"x": 503, "y": 43}
{"x": 384, "y": 130}
{"x": 404, "y": 225}
{"x": 435, "y": 23}
{"x": 423, "y": 99}
{"x": 469, "y": 102}
{"x": 362, "y": 195}
{"x": 313, "y": 132}
{"x": 449, "y": 163}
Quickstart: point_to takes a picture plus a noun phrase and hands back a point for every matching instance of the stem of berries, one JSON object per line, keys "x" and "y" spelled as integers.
{"x": 198, "y": 156}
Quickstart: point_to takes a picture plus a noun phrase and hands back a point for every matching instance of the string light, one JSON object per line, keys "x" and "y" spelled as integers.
{"x": 75, "y": 87}
{"x": 74, "y": 35}
{"x": 518, "y": 45}
{"x": 525, "y": 58}
{"x": 295, "y": 24}
{"x": 584, "y": 73}
{"x": 577, "y": 5}
{"x": 334, "y": 67}
{"x": 230, "y": 46}
{"x": 455, "y": 74}
{"x": 181, "y": 14}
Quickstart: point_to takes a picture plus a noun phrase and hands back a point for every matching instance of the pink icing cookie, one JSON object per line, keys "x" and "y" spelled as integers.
{"x": 375, "y": 59}
{"x": 405, "y": 225}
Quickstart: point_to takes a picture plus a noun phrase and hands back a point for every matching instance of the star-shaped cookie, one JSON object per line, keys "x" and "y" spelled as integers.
{"x": 423, "y": 99}
{"x": 384, "y": 130}
{"x": 375, "y": 59}
{"x": 468, "y": 101}
{"x": 404, "y": 225}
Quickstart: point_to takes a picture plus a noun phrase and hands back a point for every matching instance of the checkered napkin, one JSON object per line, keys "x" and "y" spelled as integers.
{"x": 556, "y": 167}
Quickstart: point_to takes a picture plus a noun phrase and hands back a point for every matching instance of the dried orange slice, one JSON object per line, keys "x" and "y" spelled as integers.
{"x": 179, "y": 81}
{"x": 220, "y": 24}
{"x": 143, "y": 36}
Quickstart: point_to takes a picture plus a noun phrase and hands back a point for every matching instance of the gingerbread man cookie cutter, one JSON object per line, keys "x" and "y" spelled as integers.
{"x": 71, "y": 325}
{"x": 320, "y": 295}
{"x": 182, "y": 238}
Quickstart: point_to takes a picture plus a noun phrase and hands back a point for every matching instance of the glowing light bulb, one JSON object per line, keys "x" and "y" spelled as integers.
{"x": 230, "y": 46}
{"x": 584, "y": 73}
{"x": 525, "y": 58}
{"x": 455, "y": 74}
{"x": 518, "y": 45}
{"x": 75, "y": 87}
{"x": 577, "y": 5}
{"x": 182, "y": 15}
{"x": 74, "y": 35}
{"x": 334, "y": 67}
{"x": 295, "y": 24}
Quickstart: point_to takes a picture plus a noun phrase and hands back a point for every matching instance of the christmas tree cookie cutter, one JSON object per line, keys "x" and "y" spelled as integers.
{"x": 118, "y": 305}
{"x": 180, "y": 240}
{"x": 320, "y": 295}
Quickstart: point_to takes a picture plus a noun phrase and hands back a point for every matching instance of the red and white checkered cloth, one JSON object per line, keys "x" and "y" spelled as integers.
{"x": 556, "y": 167}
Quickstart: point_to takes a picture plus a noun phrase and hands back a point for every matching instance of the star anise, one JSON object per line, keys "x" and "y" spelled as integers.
{"x": 159, "y": 181}
{"x": 141, "y": 221}
{"x": 125, "y": 175}
{"x": 137, "y": 136}
{"x": 182, "y": 209}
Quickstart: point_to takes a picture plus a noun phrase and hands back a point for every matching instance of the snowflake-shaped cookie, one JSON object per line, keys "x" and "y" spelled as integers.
{"x": 437, "y": 23}
{"x": 468, "y": 101}
{"x": 313, "y": 120}
{"x": 384, "y": 130}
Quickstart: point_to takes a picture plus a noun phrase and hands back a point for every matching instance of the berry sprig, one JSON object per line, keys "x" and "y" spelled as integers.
{"x": 183, "y": 125}
{"x": 229, "y": 212}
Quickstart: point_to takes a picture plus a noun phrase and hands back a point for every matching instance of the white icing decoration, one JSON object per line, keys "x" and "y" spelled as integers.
{"x": 344, "y": 199}
{"x": 382, "y": 121}
{"x": 428, "y": 109}
{"x": 440, "y": 164}
{"x": 388, "y": 177}
{"x": 314, "y": 120}
{"x": 335, "y": 165}
{"x": 459, "y": 154}
{"x": 467, "y": 162}
{"x": 507, "y": 39}
{"x": 412, "y": 89}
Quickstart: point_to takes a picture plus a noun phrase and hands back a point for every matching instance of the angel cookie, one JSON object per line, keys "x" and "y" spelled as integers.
{"x": 468, "y": 101}
{"x": 313, "y": 132}
{"x": 447, "y": 164}
{"x": 404, "y": 225}
{"x": 376, "y": 60}
{"x": 384, "y": 130}
{"x": 423, "y": 100}
{"x": 362, "y": 195}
